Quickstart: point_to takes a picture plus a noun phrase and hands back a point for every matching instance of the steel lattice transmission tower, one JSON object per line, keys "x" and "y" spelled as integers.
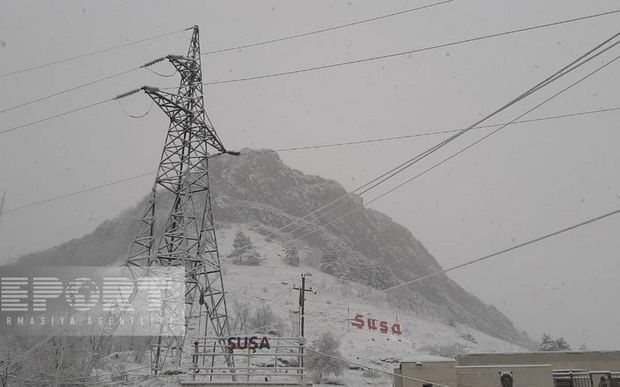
{"x": 187, "y": 235}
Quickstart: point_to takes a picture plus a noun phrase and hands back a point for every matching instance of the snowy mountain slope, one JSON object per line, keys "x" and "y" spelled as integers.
{"x": 327, "y": 310}
{"x": 336, "y": 302}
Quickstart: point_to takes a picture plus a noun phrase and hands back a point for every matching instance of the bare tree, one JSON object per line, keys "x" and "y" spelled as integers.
{"x": 8, "y": 368}
{"x": 293, "y": 317}
{"x": 321, "y": 365}
{"x": 240, "y": 317}
{"x": 265, "y": 320}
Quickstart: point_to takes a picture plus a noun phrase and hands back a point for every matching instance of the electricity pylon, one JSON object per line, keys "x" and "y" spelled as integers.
{"x": 186, "y": 237}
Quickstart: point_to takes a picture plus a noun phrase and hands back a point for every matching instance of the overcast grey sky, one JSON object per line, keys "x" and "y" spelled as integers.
{"x": 527, "y": 180}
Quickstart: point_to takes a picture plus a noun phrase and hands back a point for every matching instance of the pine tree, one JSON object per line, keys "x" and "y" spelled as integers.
{"x": 562, "y": 345}
{"x": 546, "y": 343}
{"x": 241, "y": 244}
{"x": 549, "y": 344}
{"x": 244, "y": 252}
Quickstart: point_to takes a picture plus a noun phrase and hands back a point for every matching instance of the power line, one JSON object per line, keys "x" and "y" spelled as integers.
{"x": 218, "y": 51}
{"x": 115, "y": 75}
{"x": 407, "y": 136}
{"x": 557, "y": 75}
{"x": 69, "y": 89}
{"x": 75, "y": 110}
{"x": 317, "y": 227}
{"x": 428, "y": 48}
{"x": 491, "y": 133}
{"x": 580, "y": 61}
{"x": 211, "y": 52}
{"x": 573, "y": 65}
{"x": 401, "y": 167}
{"x": 512, "y": 248}
{"x": 324, "y": 29}
{"x": 68, "y": 59}
{"x": 55, "y": 198}
{"x": 147, "y": 65}
{"x": 350, "y": 62}
{"x": 93, "y": 188}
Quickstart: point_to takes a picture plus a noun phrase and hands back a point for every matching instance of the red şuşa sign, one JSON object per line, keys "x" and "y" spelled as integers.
{"x": 373, "y": 324}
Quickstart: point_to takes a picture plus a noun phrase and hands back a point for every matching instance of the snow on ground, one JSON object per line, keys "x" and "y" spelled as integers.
{"x": 330, "y": 309}
{"x": 335, "y": 303}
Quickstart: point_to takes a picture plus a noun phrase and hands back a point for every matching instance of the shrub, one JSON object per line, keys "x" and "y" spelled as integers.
{"x": 469, "y": 337}
{"x": 291, "y": 255}
{"x": 370, "y": 373}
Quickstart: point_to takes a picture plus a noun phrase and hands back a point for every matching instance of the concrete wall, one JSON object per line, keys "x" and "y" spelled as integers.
{"x": 489, "y": 376}
{"x": 586, "y": 360}
{"x": 442, "y": 372}
{"x": 397, "y": 382}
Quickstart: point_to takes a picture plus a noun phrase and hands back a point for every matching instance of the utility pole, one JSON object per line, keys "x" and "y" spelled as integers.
{"x": 302, "y": 302}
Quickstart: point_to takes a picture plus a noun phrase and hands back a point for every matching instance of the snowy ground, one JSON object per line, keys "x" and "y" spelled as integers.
{"x": 335, "y": 303}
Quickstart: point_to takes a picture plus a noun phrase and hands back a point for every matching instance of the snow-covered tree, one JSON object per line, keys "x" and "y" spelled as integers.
{"x": 244, "y": 252}
{"x": 291, "y": 255}
{"x": 548, "y": 344}
{"x": 562, "y": 345}
{"x": 241, "y": 244}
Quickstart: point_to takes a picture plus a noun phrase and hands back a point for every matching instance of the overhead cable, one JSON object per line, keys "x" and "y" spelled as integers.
{"x": 90, "y": 53}
{"x": 413, "y": 51}
{"x": 381, "y": 179}
{"x": 315, "y": 32}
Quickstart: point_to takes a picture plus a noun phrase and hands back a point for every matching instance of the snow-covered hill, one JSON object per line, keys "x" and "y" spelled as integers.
{"x": 365, "y": 246}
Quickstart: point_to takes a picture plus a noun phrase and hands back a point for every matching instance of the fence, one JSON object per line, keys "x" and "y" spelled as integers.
{"x": 257, "y": 359}
{"x": 580, "y": 378}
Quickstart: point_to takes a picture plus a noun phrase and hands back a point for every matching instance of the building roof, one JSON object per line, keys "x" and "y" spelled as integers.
{"x": 427, "y": 359}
